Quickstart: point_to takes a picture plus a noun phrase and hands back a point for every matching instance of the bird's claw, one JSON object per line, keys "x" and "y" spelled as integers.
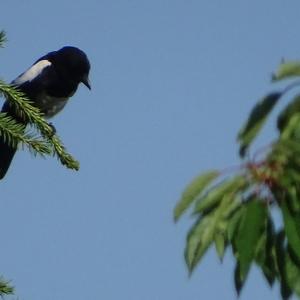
{"x": 52, "y": 128}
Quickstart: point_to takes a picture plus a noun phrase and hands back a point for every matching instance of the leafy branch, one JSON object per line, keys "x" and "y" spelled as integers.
{"x": 235, "y": 209}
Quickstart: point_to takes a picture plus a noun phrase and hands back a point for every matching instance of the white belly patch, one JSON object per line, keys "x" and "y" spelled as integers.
{"x": 50, "y": 106}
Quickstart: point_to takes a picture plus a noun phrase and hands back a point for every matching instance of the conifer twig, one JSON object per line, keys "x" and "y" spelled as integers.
{"x": 34, "y": 117}
{"x": 5, "y": 287}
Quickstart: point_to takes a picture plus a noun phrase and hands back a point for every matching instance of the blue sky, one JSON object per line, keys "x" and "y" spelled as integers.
{"x": 172, "y": 82}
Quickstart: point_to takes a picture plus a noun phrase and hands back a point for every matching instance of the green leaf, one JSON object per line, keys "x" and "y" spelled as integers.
{"x": 233, "y": 208}
{"x": 227, "y": 211}
{"x": 290, "y": 145}
{"x": 281, "y": 264}
{"x": 292, "y": 198}
{"x": 199, "y": 239}
{"x": 192, "y": 191}
{"x": 265, "y": 253}
{"x": 287, "y": 70}
{"x": 292, "y": 273}
{"x": 286, "y": 153}
{"x": 256, "y": 121}
{"x": 289, "y": 270}
{"x": 250, "y": 229}
{"x": 291, "y": 227}
{"x": 220, "y": 244}
{"x": 292, "y": 108}
{"x": 209, "y": 228}
{"x": 292, "y": 129}
{"x": 238, "y": 279}
{"x": 293, "y": 176}
{"x": 214, "y": 197}
{"x": 234, "y": 222}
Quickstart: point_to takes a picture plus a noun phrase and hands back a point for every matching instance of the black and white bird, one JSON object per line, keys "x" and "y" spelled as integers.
{"x": 48, "y": 83}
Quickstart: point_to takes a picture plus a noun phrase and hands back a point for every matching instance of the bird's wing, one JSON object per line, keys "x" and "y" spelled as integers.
{"x": 32, "y": 73}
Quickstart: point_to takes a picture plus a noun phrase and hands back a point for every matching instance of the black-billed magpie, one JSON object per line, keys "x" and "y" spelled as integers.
{"x": 48, "y": 83}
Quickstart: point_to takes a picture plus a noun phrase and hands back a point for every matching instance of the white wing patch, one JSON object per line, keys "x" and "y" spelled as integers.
{"x": 32, "y": 72}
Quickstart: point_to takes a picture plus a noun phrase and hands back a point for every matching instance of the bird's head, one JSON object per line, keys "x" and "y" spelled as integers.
{"x": 74, "y": 63}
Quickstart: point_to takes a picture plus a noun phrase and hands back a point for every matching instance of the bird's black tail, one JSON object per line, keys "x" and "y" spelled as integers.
{"x": 7, "y": 151}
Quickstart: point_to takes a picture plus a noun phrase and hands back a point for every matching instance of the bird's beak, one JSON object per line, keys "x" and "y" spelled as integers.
{"x": 85, "y": 80}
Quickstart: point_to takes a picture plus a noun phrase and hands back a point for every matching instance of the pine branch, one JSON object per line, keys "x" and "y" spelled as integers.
{"x": 60, "y": 151}
{"x": 24, "y": 108}
{"x": 13, "y": 133}
{"x": 5, "y": 288}
{"x": 34, "y": 117}
{"x": 2, "y": 38}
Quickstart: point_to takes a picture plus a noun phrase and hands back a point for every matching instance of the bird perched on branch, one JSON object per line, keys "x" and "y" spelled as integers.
{"x": 48, "y": 83}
